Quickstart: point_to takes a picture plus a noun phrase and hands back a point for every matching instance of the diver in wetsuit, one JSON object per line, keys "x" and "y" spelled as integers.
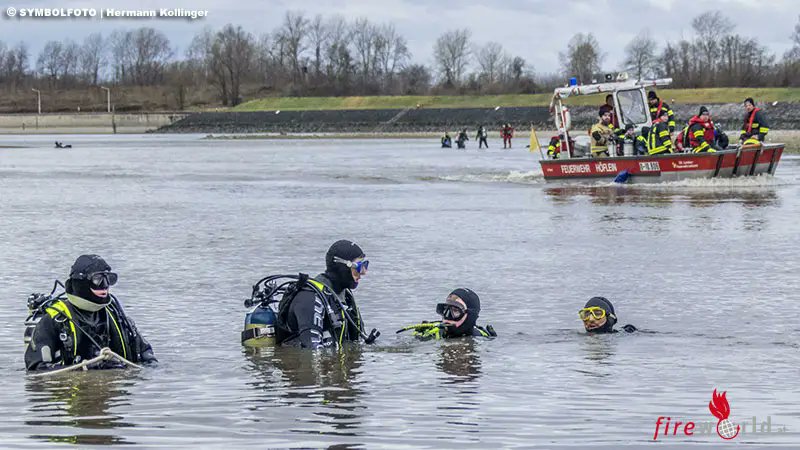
{"x": 598, "y": 316}
{"x": 89, "y": 318}
{"x": 462, "y": 138}
{"x": 459, "y": 313}
{"x": 324, "y": 313}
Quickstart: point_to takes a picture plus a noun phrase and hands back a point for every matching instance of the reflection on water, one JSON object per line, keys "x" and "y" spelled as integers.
{"x": 80, "y": 401}
{"x": 598, "y": 352}
{"x": 663, "y": 196}
{"x": 459, "y": 399}
{"x": 459, "y": 360}
{"x": 327, "y": 381}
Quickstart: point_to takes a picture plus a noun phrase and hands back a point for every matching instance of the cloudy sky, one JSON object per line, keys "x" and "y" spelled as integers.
{"x": 534, "y": 29}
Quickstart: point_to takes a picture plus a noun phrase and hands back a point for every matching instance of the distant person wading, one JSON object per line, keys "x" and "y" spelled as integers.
{"x": 481, "y": 137}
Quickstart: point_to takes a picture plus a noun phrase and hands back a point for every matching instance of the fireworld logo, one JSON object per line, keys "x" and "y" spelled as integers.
{"x": 719, "y": 407}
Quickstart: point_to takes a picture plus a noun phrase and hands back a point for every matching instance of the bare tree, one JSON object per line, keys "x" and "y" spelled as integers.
{"x": 415, "y": 79}
{"x": 293, "y": 38}
{"x": 16, "y": 65}
{"x": 263, "y": 60}
{"x": 640, "y": 54}
{"x": 517, "y": 68}
{"x": 140, "y": 56}
{"x": 197, "y": 54}
{"x": 365, "y": 38}
{"x": 69, "y": 61}
{"x": 796, "y": 34}
{"x": 582, "y": 58}
{"x": 793, "y": 55}
{"x": 743, "y": 61}
{"x": 451, "y": 52}
{"x": 391, "y": 54}
{"x": 152, "y": 51}
{"x": 205, "y": 53}
{"x": 490, "y": 58}
{"x": 318, "y": 34}
{"x": 710, "y": 28}
{"x": 235, "y": 49}
{"x": 340, "y": 62}
{"x": 122, "y": 54}
{"x": 49, "y": 62}
{"x": 92, "y": 58}
{"x": 4, "y": 54}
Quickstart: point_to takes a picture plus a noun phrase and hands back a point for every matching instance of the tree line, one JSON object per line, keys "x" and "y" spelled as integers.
{"x": 309, "y": 56}
{"x": 716, "y": 57}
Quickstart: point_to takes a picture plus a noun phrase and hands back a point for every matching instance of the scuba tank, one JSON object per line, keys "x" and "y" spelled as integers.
{"x": 259, "y": 327}
{"x": 261, "y": 321}
{"x": 37, "y": 303}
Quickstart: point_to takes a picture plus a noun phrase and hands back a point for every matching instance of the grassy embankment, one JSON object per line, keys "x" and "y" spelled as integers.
{"x": 685, "y": 96}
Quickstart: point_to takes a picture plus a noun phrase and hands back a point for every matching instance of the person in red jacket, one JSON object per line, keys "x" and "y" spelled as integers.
{"x": 508, "y": 133}
{"x": 755, "y": 127}
{"x": 701, "y": 132}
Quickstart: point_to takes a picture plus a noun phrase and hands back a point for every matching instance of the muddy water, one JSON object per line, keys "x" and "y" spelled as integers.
{"x": 707, "y": 269}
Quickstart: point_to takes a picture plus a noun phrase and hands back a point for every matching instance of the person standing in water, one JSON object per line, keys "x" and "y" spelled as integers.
{"x": 481, "y": 137}
{"x": 77, "y": 327}
{"x": 322, "y": 312}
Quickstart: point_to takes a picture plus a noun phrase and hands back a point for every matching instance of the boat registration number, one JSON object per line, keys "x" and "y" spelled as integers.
{"x": 649, "y": 166}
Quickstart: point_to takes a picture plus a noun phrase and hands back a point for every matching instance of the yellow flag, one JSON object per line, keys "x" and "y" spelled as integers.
{"x": 534, "y": 145}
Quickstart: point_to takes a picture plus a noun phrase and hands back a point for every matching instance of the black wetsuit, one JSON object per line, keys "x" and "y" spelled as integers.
{"x": 54, "y": 344}
{"x": 310, "y": 321}
{"x": 481, "y": 137}
{"x": 462, "y": 139}
{"x": 477, "y": 331}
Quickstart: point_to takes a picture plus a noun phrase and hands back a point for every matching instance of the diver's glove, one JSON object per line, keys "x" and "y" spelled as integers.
{"x": 422, "y": 326}
{"x": 629, "y": 328}
{"x": 426, "y": 330}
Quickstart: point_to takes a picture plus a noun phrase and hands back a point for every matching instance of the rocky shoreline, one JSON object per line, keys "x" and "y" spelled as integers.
{"x": 785, "y": 116}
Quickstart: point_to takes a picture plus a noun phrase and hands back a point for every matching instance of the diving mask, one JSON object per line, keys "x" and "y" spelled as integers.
{"x": 100, "y": 280}
{"x": 592, "y": 312}
{"x": 360, "y": 266}
{"x": 451, "y": 310}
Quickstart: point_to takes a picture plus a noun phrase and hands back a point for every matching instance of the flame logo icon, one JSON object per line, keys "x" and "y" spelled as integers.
{"x": 720, "y": 408}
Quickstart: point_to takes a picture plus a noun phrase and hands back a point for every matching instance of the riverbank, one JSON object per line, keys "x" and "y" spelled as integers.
{"x": 436, "y": 120}
{"x": 672, "y": 96}
{"x": 85, "y": 123}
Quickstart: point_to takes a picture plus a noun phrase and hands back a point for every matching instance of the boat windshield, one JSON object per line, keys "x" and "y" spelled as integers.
{"x": 633, "y": 106}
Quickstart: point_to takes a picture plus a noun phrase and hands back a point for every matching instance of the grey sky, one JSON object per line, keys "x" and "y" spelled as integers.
{"x": 534, "y": 29}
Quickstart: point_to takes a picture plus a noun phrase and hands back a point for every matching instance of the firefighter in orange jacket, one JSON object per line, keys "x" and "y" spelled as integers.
{"x": 755, "y": 127}
{"x": 701, "y": 132}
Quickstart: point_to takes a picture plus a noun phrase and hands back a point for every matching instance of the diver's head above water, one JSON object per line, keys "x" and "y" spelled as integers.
{"x": 598, "y": 315}
{"x": 90, "y": 279}
{"x": 345, "y": 264}
{"x": 460, "y": 312}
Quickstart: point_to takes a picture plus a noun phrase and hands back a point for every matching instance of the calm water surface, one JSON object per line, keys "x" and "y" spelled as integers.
{"x": 708, "y": 268}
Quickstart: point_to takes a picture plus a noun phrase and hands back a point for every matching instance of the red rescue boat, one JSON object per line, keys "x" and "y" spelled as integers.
{"x": 631, "y": 106}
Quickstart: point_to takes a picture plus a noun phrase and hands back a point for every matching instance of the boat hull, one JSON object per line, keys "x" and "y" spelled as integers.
{"x": 747, "y": 161}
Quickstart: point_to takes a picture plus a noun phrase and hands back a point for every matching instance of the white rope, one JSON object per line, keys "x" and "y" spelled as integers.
{"x": 106, "y": 354}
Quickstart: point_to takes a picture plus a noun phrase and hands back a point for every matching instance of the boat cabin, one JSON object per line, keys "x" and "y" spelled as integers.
{"x": 630, "y": 106}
